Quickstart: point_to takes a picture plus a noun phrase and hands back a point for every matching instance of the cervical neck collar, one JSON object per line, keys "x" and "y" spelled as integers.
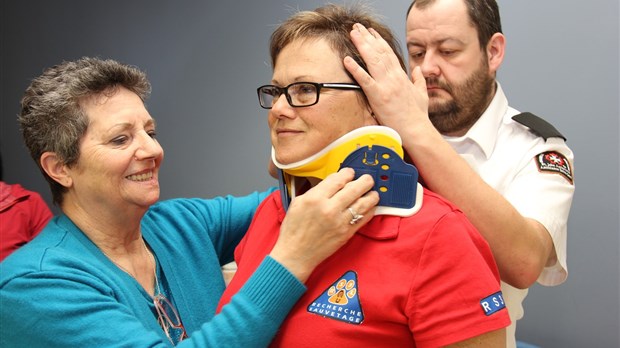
{"x": 345, "y": 151}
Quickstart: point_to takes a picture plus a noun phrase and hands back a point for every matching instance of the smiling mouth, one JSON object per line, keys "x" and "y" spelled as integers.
{"x": 140, "y": 177}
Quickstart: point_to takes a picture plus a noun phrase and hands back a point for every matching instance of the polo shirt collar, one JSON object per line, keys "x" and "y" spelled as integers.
{"x": 381, "y": 227}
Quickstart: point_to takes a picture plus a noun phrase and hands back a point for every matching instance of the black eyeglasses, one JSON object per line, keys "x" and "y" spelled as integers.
{"x": 298, "y": 94}
{"x": 168, "y": 318}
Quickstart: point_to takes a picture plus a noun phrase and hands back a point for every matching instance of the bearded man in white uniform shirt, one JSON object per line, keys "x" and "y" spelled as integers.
{"x": 511, "y": 173}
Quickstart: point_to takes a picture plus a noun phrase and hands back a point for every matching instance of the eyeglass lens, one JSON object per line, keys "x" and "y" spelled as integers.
{"x": 297, "y": 94}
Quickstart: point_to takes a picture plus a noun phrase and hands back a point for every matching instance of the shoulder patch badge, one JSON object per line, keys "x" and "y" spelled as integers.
{"x": 554, "y": 162}
{"x": 340, "y": 301}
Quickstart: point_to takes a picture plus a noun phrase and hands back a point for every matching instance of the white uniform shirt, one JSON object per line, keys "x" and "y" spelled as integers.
{"x": 505, "y": 154}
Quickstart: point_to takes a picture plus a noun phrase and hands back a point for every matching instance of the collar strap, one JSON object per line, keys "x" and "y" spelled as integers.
{"x": 328, "y": 160}
{"x": 375, "y": 150}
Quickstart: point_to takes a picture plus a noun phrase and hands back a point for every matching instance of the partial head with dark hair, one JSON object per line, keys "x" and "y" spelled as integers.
{"x": 52, "y": 118}
{"x": 483, "y": 15}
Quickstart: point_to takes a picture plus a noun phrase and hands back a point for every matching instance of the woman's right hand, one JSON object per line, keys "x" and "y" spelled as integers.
{"x": 317, "y": 223}
{"x": 396, "y": 101}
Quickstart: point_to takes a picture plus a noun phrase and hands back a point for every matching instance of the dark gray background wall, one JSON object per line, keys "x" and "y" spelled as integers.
{"x": 205, "y": 59}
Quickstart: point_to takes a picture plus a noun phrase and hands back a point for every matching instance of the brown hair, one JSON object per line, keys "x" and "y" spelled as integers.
{"x": 334, "y": 24}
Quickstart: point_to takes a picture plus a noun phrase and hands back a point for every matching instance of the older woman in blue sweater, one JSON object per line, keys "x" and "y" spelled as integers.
{"x": 119, "y": 268}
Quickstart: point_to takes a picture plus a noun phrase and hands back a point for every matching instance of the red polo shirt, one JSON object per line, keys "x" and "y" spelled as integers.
{"x": 421, "y": 281}
{"x": 23, "y": 214}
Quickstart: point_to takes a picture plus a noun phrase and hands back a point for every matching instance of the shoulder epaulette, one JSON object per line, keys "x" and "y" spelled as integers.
{"x": 538, "y": 126}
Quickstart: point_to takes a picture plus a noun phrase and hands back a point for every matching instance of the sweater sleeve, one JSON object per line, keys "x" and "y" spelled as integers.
{"x": 191, "y": 224}
{"x": 255, "y": 313}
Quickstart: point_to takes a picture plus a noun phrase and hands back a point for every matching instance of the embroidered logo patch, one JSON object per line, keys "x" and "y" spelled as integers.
{"x": 493, "y": 303}
{"x": 554, "y": 162}
{"x": 340, "y": 301}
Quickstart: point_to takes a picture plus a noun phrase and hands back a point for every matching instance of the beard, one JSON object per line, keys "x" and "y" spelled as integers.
{"x": 469, "y": 100}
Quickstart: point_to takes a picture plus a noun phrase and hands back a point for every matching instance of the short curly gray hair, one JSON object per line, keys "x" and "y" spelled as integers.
{"x": 52, "y": 118}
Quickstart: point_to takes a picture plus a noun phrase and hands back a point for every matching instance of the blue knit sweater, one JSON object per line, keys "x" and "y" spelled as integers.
{"x": 60, "y": 290}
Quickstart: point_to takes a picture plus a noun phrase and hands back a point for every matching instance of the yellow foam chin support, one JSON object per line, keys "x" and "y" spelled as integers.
{"x": 328, "y": 160}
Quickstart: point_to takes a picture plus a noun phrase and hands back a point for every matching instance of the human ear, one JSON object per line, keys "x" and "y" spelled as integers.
{"x": 495, "y": 51}
{"x": 55, "y": 168}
